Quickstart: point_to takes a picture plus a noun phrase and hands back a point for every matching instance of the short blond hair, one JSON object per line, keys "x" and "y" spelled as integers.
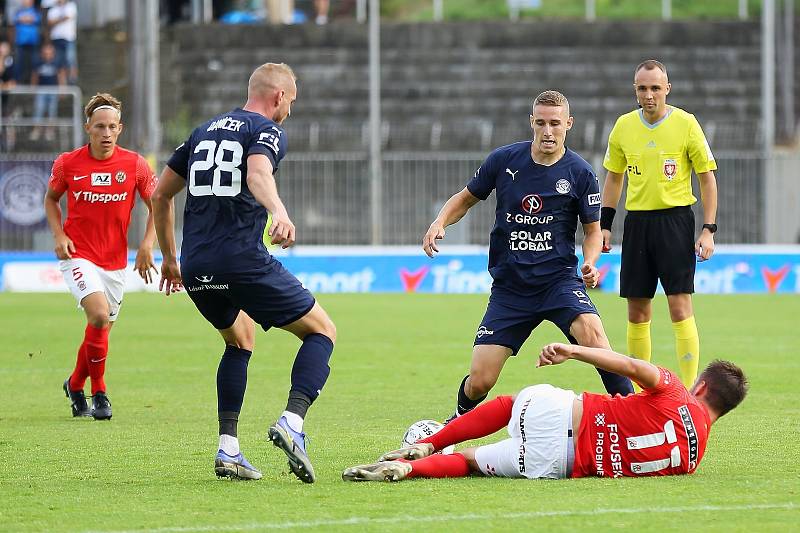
{"x": 551, "y": 98}
{"x": 100, "y": 100}
{"x": 269, "y": 76}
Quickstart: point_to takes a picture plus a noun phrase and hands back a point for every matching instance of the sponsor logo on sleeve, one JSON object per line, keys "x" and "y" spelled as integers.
{"x": 691, "y": 435}
{"x": 594, "y": 199}
{"x": 270, "y": 139}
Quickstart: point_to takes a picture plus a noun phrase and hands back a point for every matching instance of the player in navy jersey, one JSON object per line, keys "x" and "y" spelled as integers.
{"x": 543, "y": 189}
{"x": 228, "y": 165}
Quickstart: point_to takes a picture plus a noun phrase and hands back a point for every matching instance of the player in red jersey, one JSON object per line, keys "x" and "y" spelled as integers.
{"x": 101, "y": 179}
{"x": 660, "y": 431}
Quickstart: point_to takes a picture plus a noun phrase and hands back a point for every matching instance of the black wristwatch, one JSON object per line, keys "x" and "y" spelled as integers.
{"x": 712, "y": 228}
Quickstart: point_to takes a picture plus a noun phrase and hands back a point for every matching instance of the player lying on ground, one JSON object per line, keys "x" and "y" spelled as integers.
{"x": 660, "y": 431}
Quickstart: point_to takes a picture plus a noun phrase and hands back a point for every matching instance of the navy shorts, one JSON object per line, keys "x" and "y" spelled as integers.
{"x": 510, "y": 318}
{"x": 271, "y": 298}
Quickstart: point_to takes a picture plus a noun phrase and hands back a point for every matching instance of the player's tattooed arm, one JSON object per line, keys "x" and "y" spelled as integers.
{"x": 261, "y": 183}
{"x": 452, "y": 211}
{"x": 64, "y": 247}
{"x": 645, "y": 374}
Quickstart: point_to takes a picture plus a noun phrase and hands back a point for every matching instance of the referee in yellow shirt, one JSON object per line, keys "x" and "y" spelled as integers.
{"x": 658, "y": 146}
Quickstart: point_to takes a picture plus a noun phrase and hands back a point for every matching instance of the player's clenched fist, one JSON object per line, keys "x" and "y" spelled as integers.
{"x": 590, "y": 274}
{"x": 281, "y": 230}
{"x": 435, "y": 233}
{"x": 554, "y": 354}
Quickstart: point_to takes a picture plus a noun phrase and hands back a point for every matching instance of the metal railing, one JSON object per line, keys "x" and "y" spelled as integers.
{"x": 328, "y": 196}
{"x": 17, "y": 117}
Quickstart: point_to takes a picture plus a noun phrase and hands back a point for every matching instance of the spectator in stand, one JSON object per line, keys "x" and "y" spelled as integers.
{"x": 26, "y": 39}
{"x": 280, "y": 11}
{"x": 7, "y": 81}
{"x": 175, "y": 11}
{"x": 46, "y": 74}
{"x": 321, "y": 8}
{"x": 62, "y": 18}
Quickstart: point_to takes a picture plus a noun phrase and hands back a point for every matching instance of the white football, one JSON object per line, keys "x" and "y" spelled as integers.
{"x": 423, "y": 429}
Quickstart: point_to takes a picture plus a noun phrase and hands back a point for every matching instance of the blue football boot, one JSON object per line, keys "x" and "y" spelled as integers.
{"x": 293, "y": 445}
{"x": 234, "y": 467}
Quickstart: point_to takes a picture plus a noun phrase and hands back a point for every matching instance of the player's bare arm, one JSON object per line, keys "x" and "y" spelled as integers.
{"x": 64, "y": 247}
{"x": 704, "y": 247}
{"x": 612, "y": 191}
{"x": 452, "y": 211}
{"x": 642, "y": 372}
{"x": 592, "y": 244}
{"x": 144, "y": 264}
{"x": 169, "y": 185}
{"x": 261, "y": 183}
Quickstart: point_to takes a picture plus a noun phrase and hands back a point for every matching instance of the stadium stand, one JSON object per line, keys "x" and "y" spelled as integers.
{"x": 468, "y": 86}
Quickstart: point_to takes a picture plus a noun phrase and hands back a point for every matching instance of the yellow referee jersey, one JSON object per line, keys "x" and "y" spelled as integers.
{"x": 658, "y": 158}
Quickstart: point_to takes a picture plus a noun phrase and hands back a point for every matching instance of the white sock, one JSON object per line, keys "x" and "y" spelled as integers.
{"x": 229, "y": 445}
{"x": 294, "y": 420}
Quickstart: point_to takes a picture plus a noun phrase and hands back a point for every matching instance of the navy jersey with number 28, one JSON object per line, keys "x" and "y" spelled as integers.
{"x": 223, "y": 223}
{"x": 532, "y": 243}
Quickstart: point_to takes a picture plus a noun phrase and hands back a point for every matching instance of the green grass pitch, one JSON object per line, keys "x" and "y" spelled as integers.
{"x": 399, "y": 359}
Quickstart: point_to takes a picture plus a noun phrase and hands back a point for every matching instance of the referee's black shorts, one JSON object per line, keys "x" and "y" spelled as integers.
{"x": 658, "y": 245}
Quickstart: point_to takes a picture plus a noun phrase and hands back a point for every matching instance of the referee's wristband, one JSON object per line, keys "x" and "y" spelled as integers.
{"x": 607, "y": 217}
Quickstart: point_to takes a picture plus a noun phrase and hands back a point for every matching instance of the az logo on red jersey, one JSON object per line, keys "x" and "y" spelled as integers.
{"x": 101, "y": 179}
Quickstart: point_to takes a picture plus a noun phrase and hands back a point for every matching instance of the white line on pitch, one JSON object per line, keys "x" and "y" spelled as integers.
{"x": 365, "y": 520}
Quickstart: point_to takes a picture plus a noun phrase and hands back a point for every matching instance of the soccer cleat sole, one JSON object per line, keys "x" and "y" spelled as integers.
{"x": 235, "y": 471}
{"x": 383, "y": 471}
{"x": 298, "y": 462}
{"x": 410, "y": 453}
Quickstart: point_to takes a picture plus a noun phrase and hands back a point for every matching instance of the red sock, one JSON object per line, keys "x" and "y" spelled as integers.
{"x": 96, "y": 341}
{"x": 454, "y": 465}
{"x": 481, "y": 421}
{"x": 78, "y": 378}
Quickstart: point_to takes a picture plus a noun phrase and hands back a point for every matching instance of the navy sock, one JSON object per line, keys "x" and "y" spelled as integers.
{"x": 231, "y": 384}
{"x": 465, "y": 403}
{"x": 614, "y": 383}
{"x": 310, "y": 370}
